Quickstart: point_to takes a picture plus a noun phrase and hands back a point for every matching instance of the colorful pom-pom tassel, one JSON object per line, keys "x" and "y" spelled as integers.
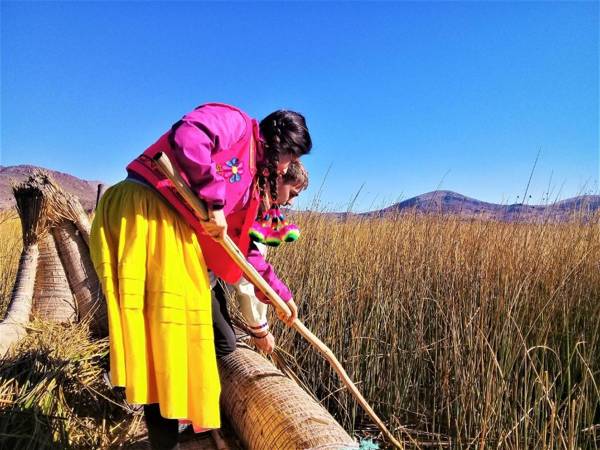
{"x": 289, "y": 233}
{"x": 258, "y": 233}
{"x": 273, "y": 229}
{"x": 273, "y": 239}
{"x": 260, "y": 228}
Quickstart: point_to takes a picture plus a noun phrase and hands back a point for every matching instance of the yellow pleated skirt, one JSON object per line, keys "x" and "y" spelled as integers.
{"x": 158, "y": 298}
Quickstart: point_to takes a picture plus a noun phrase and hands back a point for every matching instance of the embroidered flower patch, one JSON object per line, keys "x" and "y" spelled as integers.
{"x": 234, "y": 170}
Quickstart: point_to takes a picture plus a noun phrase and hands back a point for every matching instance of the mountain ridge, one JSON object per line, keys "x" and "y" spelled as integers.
{"x": 434, "y": 202}
{"x": 85, "y": 190}
{"x": 450, "y": 202}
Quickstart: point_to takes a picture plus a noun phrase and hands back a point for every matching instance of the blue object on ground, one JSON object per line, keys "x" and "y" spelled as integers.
{"x": 368, "y": 444}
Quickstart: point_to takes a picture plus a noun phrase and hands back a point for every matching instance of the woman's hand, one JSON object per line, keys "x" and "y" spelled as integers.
{"x": 265, "y": 343}
{"x": 288, "y": 320}
{"x": 216, "y": 225}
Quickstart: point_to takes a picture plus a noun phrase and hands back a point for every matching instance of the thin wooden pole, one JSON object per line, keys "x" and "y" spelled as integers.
{"x": 250, "y": 272}
{"x": 99, "y": 193}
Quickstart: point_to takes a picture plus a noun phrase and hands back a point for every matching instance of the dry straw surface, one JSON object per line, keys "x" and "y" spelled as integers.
{"x": 53, "y": 394}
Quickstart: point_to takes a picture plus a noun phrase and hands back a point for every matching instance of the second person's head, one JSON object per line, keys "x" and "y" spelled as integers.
{"x": 292, "y": 183}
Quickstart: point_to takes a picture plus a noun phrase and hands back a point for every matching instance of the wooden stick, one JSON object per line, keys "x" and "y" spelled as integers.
{"x": 99, "y": 193}
{"x": 250, "y": 272}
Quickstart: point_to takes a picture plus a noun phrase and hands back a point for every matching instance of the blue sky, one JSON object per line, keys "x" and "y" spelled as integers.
{"x": 402, "y": 98}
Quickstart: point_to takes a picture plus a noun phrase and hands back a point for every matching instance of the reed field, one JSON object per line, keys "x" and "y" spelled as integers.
{"x": 469, "y": 334}
{"x": 10, "y": 251}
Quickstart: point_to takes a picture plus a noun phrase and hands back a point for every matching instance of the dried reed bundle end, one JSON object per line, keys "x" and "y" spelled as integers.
{"x": 32, "y": 205}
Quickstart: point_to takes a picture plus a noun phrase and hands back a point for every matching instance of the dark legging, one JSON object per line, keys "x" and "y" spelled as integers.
{"x": 224, "y": 334}
{"x": 163, "y": 432}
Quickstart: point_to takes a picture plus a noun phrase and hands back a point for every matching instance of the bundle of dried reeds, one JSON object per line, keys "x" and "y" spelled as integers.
{"x": 269, "y": 411}
{"x": 32, "y": 206}
{"x": 52, "y": 296}
{"x": 83, "y": 280}
{"x": 64, "y": 287}
{"x": 71, "y": 231}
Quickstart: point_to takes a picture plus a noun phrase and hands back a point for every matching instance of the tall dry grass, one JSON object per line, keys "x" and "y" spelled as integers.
{"x": 473, "y": 334}
{"x": 10, "y": 251}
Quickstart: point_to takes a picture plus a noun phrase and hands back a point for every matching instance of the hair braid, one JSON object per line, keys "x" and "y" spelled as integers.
{"x": 284, "y": 133}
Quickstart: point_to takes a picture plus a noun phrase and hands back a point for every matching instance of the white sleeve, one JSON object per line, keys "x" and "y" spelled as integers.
{"x": 253, "y": 310}
{"x": 262, "y": 248}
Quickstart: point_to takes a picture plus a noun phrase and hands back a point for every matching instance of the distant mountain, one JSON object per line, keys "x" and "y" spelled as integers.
{"x": 448, "y": 202}
{"x": 84, "y": 190}
{"x": 436, "y": 202}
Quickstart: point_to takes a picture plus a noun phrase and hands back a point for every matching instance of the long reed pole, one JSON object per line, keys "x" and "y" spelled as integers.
{"x": 250, "y": 272}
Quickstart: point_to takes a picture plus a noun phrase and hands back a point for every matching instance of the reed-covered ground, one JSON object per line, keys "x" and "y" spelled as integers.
{"x": 471, "y": 334}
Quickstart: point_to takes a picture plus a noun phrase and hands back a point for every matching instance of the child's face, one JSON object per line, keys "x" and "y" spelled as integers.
{"x": 287, "y": 192}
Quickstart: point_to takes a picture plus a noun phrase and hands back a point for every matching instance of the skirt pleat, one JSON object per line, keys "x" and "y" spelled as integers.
{"x": 158, "y": 299}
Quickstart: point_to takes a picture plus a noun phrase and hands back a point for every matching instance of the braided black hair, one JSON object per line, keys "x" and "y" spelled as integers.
{"x": 284, "y": 132}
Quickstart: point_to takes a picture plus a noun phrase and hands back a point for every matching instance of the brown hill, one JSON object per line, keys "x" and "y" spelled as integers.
{"x": 82, "y": 189}
{"x": 448, "y": 202}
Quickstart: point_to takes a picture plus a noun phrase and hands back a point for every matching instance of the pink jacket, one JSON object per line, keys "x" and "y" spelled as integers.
{"x": 212, "y": 148}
